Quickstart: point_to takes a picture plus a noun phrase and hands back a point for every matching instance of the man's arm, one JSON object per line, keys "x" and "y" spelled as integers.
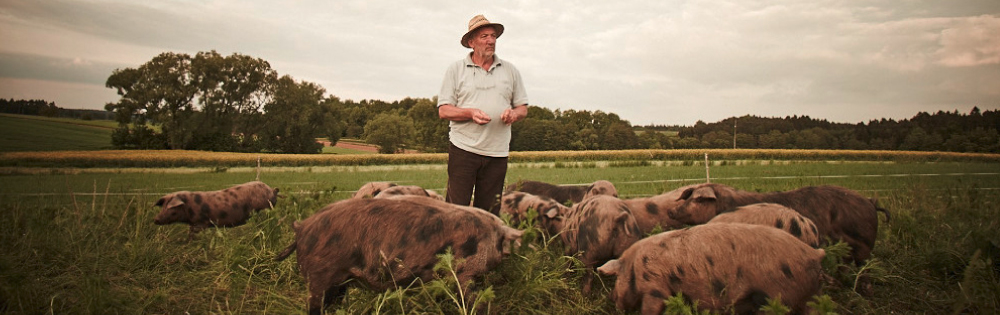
{"x": 453, "y": 113}
{"x": 512, "y": 115}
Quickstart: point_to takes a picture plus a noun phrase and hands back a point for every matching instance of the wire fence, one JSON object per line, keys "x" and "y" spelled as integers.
{"x": 679, "y": 180}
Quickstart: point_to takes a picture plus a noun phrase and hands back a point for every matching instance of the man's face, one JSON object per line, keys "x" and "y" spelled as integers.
{"x": 484, "y": 41}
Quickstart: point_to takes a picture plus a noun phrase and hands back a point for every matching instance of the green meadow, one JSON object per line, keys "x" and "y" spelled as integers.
{"x": 82, "y": 240}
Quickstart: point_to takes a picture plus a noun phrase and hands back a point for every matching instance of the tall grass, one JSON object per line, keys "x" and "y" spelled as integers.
{"x": 84, "y": 243}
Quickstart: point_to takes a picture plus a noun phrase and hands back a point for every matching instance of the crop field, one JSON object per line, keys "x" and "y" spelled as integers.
{"x": 82, "y": 240}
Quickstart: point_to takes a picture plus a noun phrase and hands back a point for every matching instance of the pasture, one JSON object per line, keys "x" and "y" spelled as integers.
{"x": 82, "y": 240}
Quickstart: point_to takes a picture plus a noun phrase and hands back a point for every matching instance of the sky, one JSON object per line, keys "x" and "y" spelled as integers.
{"x": 664, "y": 62}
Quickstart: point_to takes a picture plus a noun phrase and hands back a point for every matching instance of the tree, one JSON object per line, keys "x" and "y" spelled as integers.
{"x": 430, "y": 131}
{"x": 161, "y": 91}
{"x": 232, "y": 92}
{"x": 295, "y": 117}
{"x": 533, "y": 134}
{"x": 390, "y": 131}
{"x": 620, "y": 136}
{"x": 653, "y": 139}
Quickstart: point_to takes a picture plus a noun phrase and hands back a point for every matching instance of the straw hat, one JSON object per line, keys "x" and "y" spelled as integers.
{"x": 477, "y": 22}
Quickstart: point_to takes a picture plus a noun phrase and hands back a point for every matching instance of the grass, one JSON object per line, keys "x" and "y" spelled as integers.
{"x": 33, "y": 133}
{"x": 84, "y": 242}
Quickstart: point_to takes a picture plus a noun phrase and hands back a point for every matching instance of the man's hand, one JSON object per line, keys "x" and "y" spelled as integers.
{"x": 512, "y": 115}
{"x": 453, "y": 113}
{"x": 480, "y": 117}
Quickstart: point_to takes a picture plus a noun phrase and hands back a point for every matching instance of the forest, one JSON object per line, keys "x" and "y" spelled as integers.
{"x": 238, "y": 103}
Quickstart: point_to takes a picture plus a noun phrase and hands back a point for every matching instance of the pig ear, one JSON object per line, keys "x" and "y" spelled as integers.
{"x": 174, "y": 202}
{"x": 686, "y": 194}
{"x": 704, "y": 194}
{"x": 513, "y": 234}
{"x": 552, "y": 213}
{"x": 622, "y": 219}
{"x": 159, "y": 203}
{"x": 610, "y": 268}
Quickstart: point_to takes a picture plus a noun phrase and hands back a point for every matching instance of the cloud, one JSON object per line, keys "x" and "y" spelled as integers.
{"x": 649, "y": 61}
{"x": 72, "y": 70}
{"x": 971, "y": 42}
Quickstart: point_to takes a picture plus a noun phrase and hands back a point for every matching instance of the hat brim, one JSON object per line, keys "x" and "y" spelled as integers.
{"x": 496, "y": 26}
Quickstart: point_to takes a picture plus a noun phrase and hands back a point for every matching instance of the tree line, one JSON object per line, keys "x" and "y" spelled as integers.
{"x": 239, "y": 103}
{"x": 941, "y": 131}
{"x": 49, "y": 109}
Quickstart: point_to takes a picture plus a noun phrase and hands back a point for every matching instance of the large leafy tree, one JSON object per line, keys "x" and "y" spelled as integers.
{"x": 160, "y": 91}
{"x": 295, "y": 117}
{"x": 232, "y": 92}
{"x": 390, "y": 131}
{"x": 430, "y": 131}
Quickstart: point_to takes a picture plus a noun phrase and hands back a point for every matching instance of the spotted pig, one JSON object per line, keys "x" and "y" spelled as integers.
{"x": 372, "y": 189}
{"x": 550, "y": 212}
{"x": 598, "y": 229}
{"x": 389, "y": 242}
{"x": 564, "y": 194}
{"x": 409, "y": 190}
{"x": 601, "y": 187}
{"x": 774, "y": 215}
{"x": 838, "y": 213}
{"x": 653, "y": 213}
{"x": 722, "y": 267}
{"x": 229, "y": 207}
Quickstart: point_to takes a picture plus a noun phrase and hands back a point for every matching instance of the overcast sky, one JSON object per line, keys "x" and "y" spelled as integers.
{"x": 655, "y": 61}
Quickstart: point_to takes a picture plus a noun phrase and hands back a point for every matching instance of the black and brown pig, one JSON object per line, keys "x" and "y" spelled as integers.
{"x": 564, "y": 194}
{"x": 598, "y": 229}
{"x": 389, "y": 242}
{"x": 773, "y": 215}
{"x": 229, "y": 207}
{"x": 550, "y": 212}
{"x": 601, "y": 187}
{"x": 721, "y": 267}
{"x": 408, "y": 190}
{"x": 839, "y": 213}
{"x": 653, "y": 212}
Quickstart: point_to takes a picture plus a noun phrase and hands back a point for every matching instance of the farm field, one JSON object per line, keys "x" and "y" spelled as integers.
{"x": 34, "y": 133}
{"x": 82, "y": 241}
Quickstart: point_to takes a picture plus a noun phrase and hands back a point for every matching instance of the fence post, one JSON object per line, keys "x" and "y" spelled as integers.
{"x": 258, "y": 168}
{"x": 708, "y": 179}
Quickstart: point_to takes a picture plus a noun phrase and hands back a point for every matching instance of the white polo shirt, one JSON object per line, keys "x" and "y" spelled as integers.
{"x": 467, "y": 85}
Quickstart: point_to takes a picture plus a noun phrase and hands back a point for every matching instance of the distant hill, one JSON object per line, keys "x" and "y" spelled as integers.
{"x": 36, "y": 133}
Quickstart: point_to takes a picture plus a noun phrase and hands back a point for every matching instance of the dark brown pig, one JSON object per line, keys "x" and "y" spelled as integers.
{"x": 227, "y": 208}
{"x": 598, "y": 229}
{"x": 839, "y": 213}
{"x": 773, "y": 215}
{"x": 550, "y": 212}
{"x": 721, "y": 267}
{"x": 564, "y": 194}
{"x": 389, "y": 242}
{"x": 372, "y": 189}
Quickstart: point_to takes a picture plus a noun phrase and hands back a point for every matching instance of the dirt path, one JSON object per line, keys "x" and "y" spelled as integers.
{"x": 359, "y": 146}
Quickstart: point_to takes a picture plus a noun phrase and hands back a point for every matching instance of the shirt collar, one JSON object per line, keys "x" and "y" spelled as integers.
{"x": 496, "y": 61}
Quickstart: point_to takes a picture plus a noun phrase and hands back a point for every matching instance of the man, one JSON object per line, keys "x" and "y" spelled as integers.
{"x": 481, "y": 96}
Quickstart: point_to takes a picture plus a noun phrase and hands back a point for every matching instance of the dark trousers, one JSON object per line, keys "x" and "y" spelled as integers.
{"x": 470, "y": 173}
